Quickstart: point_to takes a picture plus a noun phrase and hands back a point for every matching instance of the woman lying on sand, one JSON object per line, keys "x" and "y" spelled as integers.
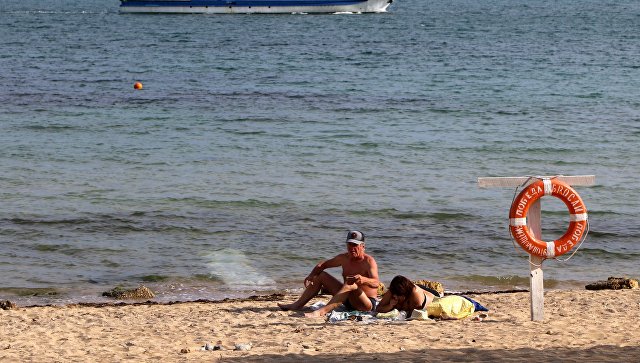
{"x": 406, "y": 296}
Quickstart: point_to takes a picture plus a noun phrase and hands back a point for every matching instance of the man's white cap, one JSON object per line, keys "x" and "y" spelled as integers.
{"x": 356, "y": 237}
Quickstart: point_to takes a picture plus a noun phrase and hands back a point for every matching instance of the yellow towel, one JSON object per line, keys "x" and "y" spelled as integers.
{"x": 450, "y": 307}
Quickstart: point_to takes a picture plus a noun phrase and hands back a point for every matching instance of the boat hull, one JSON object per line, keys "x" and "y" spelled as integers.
{"x": 254, "y": 6}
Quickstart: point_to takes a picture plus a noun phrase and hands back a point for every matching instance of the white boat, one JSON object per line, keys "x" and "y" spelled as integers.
{"x": 254, "y": 6}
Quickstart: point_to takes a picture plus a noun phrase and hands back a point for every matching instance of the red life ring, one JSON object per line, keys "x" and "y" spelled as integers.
{"x": 518, "y": 218}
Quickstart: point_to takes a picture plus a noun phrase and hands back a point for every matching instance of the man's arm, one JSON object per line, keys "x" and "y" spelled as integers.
{"x": 333, "y": 262}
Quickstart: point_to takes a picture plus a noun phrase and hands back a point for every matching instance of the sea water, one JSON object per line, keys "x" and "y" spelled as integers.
{"x": 258, "y": 141}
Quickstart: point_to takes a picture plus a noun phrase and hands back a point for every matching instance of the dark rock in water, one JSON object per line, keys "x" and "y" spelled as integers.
{"x": 7, "y": 305}
{"x": 141, "y": 292}
{"x": 613, "y": 283}
{"x": 37, "y": 291}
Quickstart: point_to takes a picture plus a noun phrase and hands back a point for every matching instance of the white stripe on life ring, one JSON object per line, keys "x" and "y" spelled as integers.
{"x": 551, "y": 249}
{"x": 548, "y": 187}
{"x": 515, "y": 222}
{"x": 578, "y": 217}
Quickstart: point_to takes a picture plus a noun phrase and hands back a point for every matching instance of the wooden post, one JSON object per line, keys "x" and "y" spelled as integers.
{"x": 534, "y": 222}
{"x": 536, "y": 279}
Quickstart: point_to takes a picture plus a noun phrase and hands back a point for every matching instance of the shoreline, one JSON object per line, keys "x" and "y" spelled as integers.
{"x": 100, "y": 301}
{"x": 268, "y": 297}
{"x": 578, "y": 325}
{"x": 63, "y": 295}
{"x": 50, "y": 296}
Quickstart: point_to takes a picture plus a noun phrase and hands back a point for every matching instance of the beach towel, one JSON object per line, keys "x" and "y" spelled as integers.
{"x": 337, "y": 316}
{"x": 393, "y": 314}
{"x": 477, "y": 306}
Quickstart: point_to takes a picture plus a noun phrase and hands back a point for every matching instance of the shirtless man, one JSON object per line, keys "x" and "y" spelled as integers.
{"x": 359, "y": 288}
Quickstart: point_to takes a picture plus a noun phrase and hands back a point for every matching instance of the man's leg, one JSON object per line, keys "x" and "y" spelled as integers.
{"x": 353, "y": 293}
{"x": 323, "y": 280}
{"x": 360, "y": 301}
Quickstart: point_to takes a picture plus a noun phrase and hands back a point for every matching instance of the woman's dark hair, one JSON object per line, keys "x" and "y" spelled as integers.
{"x": 401, "y": 286}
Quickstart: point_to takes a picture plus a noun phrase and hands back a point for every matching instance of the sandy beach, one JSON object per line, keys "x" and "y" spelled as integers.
{"x": 579, "y": 326}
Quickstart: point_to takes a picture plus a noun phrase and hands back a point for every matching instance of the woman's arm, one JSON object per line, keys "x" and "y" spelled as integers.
{"x": 387, "y": 303}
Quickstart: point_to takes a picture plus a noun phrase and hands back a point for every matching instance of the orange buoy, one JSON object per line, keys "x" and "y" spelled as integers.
{"x": 137, "y": 85}
{"x": 518, "y": 218}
